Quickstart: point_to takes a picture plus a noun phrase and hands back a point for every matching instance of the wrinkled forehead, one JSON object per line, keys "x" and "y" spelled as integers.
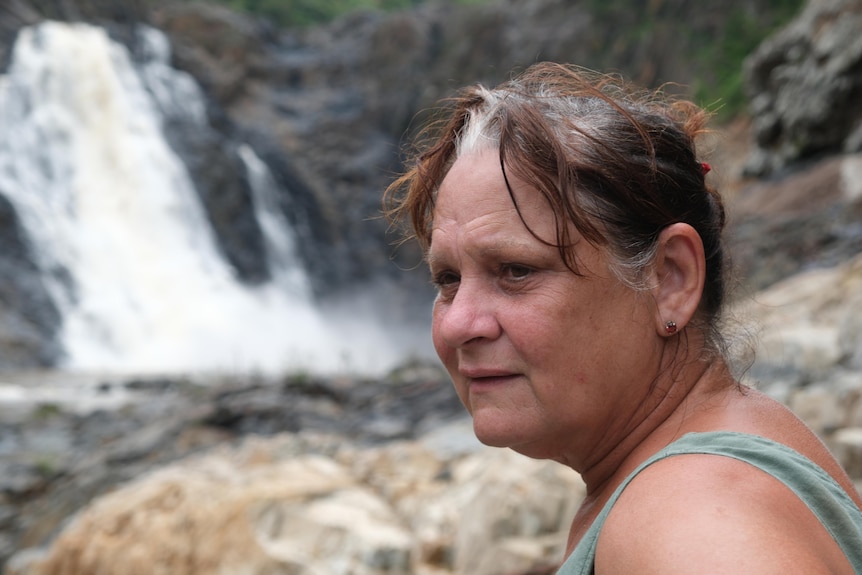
{"x": 478, "y": 185}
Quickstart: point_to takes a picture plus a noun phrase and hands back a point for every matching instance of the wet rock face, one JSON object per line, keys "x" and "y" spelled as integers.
{"x": 220, "y": 47}
{"x": 29, "y": 320}
{"x": 808, "y": 218}
{"x": 805, "y": 87}
{"x": 223, "y": 187}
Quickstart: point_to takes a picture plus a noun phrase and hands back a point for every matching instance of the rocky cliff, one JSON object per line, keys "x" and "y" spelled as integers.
{"x": 805, "y": 86}
{"x": 328, "y": 108}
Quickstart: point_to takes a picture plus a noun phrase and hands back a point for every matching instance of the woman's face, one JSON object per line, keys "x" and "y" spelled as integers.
{"x": 549, "y": 363}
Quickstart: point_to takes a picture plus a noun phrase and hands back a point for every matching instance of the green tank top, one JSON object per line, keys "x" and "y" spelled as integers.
{"x": 816, "y": 488}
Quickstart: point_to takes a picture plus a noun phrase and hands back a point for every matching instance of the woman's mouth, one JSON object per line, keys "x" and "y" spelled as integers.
{"x": 479, "y": 380}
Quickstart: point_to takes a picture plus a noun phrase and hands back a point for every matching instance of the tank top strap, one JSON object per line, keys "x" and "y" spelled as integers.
{"x": 832, "y": 506}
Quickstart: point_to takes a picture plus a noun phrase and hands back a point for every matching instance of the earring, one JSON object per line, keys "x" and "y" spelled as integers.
{"x": 670, "y": 327}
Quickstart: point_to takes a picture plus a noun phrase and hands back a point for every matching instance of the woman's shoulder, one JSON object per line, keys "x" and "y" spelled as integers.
{"x": 774, "y": 427}
{"x": 698, "y": 509}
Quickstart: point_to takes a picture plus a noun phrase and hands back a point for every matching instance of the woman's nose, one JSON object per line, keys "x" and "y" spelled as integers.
{"x": 469, "y": 317}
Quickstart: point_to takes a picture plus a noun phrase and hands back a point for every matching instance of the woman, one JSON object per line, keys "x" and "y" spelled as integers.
{"x": 577, "y": 253}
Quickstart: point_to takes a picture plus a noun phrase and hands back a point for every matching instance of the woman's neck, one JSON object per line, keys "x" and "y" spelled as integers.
{"x": 677, "y": 401}
{"x": 677, "y": 404}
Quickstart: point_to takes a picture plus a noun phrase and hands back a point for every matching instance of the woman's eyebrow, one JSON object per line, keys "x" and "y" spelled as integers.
{"x": 432, "y": 259}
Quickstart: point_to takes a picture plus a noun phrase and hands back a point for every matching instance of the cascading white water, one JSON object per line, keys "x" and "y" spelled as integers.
{"x": 84, "y": 161}
{"x": 280, "y": 242}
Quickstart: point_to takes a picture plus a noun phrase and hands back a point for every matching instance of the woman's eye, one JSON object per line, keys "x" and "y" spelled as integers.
{"x": 516, "y": 271}
{"x": 442, "y": 280}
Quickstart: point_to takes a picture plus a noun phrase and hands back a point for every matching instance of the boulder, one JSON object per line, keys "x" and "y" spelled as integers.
{"x": 807, "y": 349}
{"x": 270, "y": 506}
{"x": 806, "y": 219}
{"x": 242, "y": 513}
{"x": 847, "y": 446}
{"x": 507, "y": 500}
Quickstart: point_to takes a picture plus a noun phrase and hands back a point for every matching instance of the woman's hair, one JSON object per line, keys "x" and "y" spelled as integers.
{"x": 618, "y": 163}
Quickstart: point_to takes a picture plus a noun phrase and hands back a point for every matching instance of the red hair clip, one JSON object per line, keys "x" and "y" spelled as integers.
{"x": 705, "y": 168}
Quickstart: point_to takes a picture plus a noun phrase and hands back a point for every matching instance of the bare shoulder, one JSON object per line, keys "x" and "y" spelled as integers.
{"x": 711, "y": 514}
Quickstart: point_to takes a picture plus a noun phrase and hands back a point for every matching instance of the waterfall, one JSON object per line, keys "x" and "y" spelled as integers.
{"x": 124, "y": 245}
{"x": 280, "y": 242}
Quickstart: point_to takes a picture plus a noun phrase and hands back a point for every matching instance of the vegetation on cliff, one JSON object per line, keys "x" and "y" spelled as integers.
{"x": 308, "y": 12}
{"x": 723, "y": 56}
{"x": 719, "y": 35}
{"x": 658, "y": 37}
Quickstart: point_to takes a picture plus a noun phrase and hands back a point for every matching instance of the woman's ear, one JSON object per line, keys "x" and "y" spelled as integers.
{"x": 680, "y": 272}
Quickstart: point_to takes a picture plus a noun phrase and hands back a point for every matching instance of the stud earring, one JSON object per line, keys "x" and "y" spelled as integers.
{"x": 670, "y": 327}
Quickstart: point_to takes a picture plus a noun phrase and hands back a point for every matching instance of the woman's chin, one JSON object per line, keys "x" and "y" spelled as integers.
{"x": 495, "y": 435}
{"x": 530, "y": 444}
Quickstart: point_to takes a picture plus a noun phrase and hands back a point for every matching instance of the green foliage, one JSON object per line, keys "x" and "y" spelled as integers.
{"x": 47, "y": 410}
{"x": 300, "y": 378}
{"x": 718, "y": 35}
{"x": 291, "y": 13}
{"x": 722, "y": 82}
{"x": 45, "y": 466}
